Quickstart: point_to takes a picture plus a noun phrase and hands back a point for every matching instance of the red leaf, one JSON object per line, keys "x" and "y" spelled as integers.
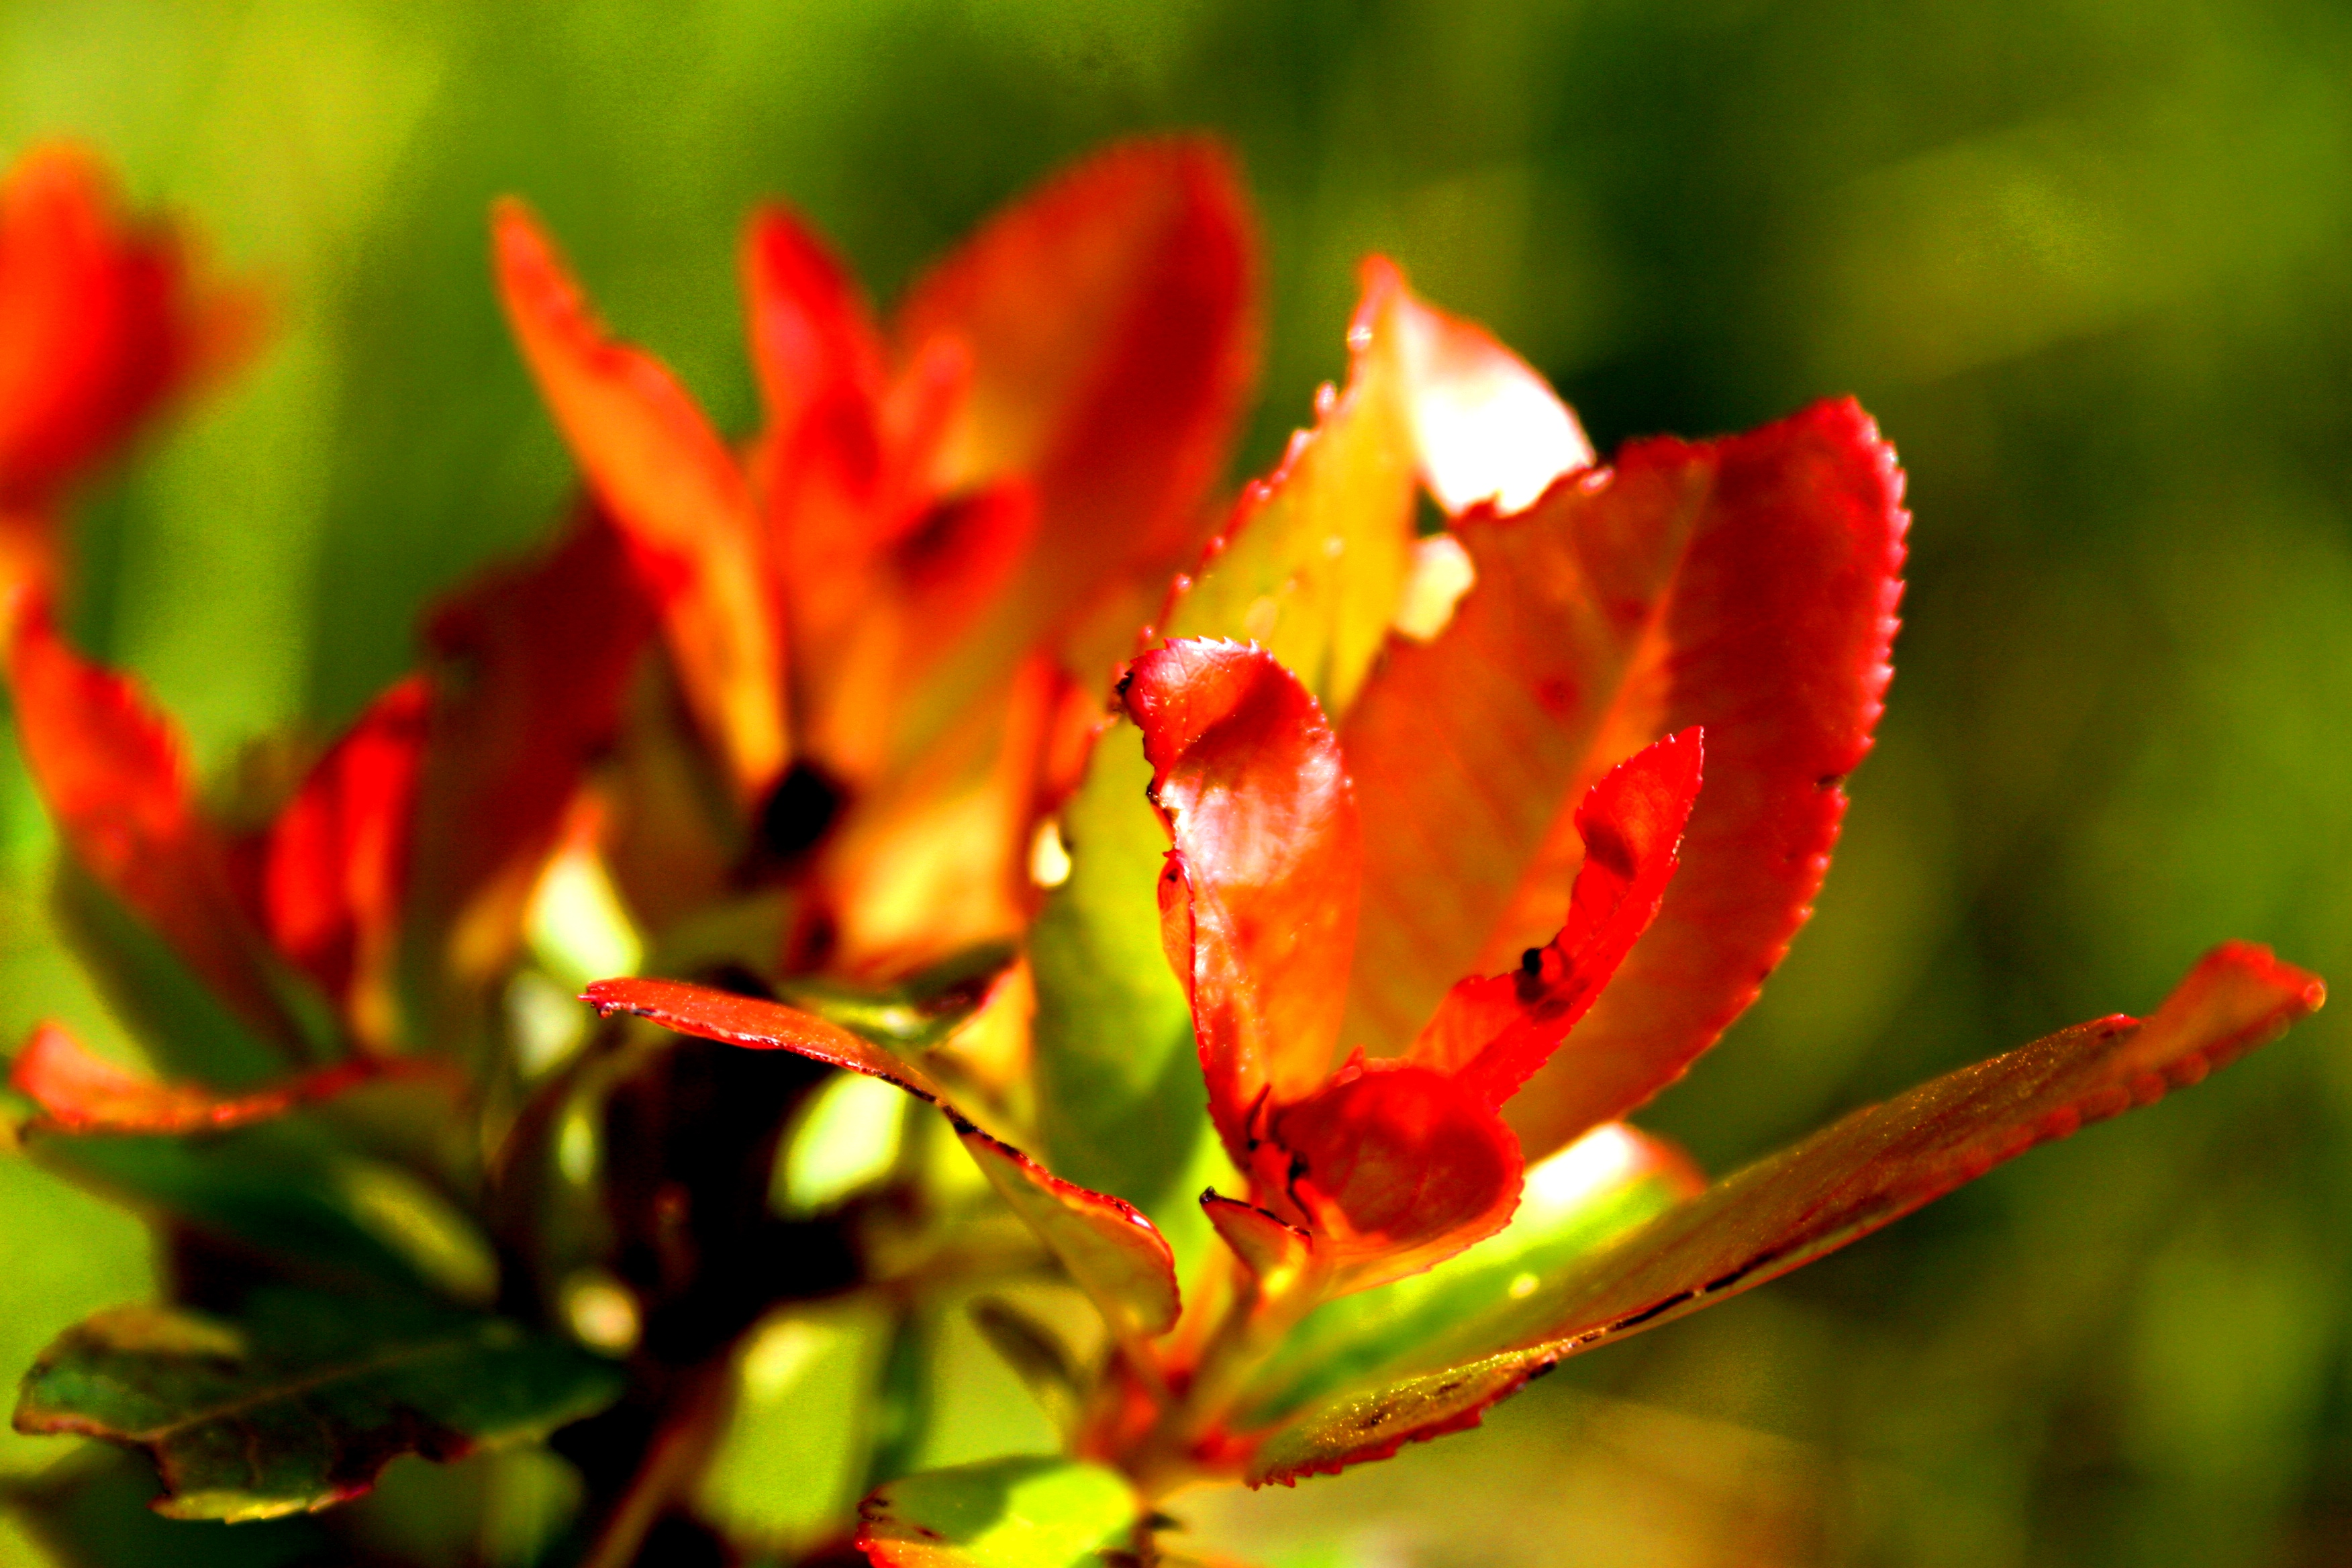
{"x": 677, "y": 493}
{"x": 1272, "y": 1248}
{"x": 100, "y": 323}
{"x": 80, "y": 1093}
{"x": 529, "y": 665}
{"x": 1395, "y": 1166}
{"x": 1111, "y": 324}
{"x": 112, "y": 773}
{"x": 1847, "y": 1181}
{"x": 1747, "y": 586}
{"x": 1494, "y": 1032}
{"x": 759, "y": 1026}
{"x": 331, "y": 872}
{"x": 1258, "y": 899}
{"x": 814, "y": 342}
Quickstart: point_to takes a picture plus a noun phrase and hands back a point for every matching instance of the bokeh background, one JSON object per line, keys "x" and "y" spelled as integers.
{"x": 2086, "y": 259}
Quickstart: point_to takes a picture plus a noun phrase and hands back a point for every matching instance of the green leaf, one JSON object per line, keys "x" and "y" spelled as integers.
{"x": 1110, "y": 1248}
{"x": 286, "y": 1189}
{"x": 1314, "y": 563}
{"x": 91, "y": 1510}
{"x": 187, "y": 1030}
{"x": 791, "y": 1458}
{"x": 1005, "y": 1514}
{"x": 1120, "y": 1105}
{"x": 1577, "y": 1201}
{"x": 304, "y": 1400}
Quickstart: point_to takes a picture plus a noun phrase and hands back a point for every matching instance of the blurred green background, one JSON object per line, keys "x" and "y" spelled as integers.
{"x": 2086, "y": 259}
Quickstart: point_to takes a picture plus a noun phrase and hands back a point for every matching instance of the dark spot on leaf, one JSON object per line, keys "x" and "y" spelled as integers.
{"x": 1828, "y": 781}
{"x": 1531, "y": 962}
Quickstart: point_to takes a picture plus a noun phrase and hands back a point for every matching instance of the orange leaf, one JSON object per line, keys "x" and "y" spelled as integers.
{"x": 529, "y": 663}
{"x": 674, "y": 490}
{"x": 1395, "y": 1166}
{"x": 1747, "y": 586}
{"x": 1111, "y": 324}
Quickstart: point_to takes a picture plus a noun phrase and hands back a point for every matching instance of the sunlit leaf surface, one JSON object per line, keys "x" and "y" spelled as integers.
{"x": 1005, "y": 1513}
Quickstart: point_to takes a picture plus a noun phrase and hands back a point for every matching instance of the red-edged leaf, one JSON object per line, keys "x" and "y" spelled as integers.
{"x": 100, "y": 323}
{"x": 1111, "y": 323}
{"x": 331, "y": 874}
{"x": 1395, "y": 1166}
{"x": 80, "y": 1093}
{"x": 1491, "y": 1033}
{"x": 1872, "y": 1167}
{"x": 1111, "y": 1249}
{"x": 1747, "y": 586}
{"x": 1486, "y": 426}
{"x": 1316, "y": 555}
{"x": 1258, "y": 899}
{"x": 114, "y": 777}
{"x": 675, "y": 491}
{"x": 529, "y": 662}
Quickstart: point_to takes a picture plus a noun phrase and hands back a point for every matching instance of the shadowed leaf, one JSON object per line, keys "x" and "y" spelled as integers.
{"x": 79, "y": 1092}
{"x": 1870, "y": 1168}
{"x": 304, "y": 1400}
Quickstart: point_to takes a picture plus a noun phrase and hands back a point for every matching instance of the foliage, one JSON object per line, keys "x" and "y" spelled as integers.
{"x": 809, "y": 722}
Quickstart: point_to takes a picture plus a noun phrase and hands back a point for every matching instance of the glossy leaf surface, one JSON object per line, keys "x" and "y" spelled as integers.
{"x": 1110, "y": 1248}
{"x": 675, "y": 490}
{"x": 1313, "y": 561}
{"x": 1002, "y": 1513}
{"x": 1865, "y": 1170}
{"x": 1257, "y": 900}
{"x": 302, "y": 1401}
{"x": 1747, "y": 585}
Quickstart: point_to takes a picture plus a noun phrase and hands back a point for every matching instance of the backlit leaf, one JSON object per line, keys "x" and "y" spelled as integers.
{"x": 1747, "y": 585}
{"x": 675, "y": 491}
{"x": 300, "y": 1402}
{"x": 1110, "y": 319}
{"x": 1870, "y": 1168}
{"x": 1002, "y": 1513}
